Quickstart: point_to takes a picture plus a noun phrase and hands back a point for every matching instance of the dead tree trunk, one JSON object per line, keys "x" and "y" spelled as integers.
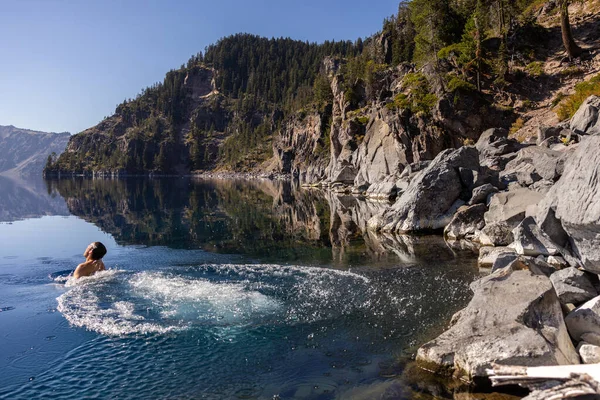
{"x": 573, "y": 50}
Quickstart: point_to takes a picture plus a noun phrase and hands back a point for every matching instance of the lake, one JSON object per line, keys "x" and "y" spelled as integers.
{"x": 215, "y": 289}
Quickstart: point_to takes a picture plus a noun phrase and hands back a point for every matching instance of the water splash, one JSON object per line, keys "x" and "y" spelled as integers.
{"x": 120, "y": 303}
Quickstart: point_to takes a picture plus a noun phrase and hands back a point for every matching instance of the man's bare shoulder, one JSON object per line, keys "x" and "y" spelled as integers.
{"x": 88, "y": 268}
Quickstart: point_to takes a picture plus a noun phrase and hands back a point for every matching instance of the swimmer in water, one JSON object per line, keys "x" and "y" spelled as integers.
{"x": 93, "y": 261}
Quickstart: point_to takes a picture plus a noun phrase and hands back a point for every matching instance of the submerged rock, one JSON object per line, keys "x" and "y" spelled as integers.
{"x": 526, "y": 330}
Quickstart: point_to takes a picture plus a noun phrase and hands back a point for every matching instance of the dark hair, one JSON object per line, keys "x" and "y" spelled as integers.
{"x": 98, "y": 250}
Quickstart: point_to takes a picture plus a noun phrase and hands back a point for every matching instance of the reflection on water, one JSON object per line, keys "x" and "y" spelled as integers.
{"x": 28, "y": 199}
{"x": 218, "y": 290}
{"x": 256, "y": 218}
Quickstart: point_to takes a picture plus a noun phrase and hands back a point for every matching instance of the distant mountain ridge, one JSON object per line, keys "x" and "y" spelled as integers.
{"x": 24, "y": 152}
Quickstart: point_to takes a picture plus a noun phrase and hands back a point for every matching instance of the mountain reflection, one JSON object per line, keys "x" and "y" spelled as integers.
{"x": 24, "y": 199}
{"x": 272, "y": 220}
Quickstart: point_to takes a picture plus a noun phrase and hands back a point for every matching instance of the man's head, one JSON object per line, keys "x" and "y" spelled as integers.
{"x": 95, "y": 251}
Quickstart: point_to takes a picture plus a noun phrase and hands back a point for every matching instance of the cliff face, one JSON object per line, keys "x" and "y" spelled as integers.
{"x": 25, "y": 152}
{"x": 374, "y": 140}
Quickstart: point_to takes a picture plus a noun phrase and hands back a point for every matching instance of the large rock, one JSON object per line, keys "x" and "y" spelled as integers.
{"x": 481, "y": 193}
{"x": 494, "y": 146}
{"x": 529, "y": 240}
{"x": 489, "y": 255}
{"x": 466, "y": 223}
{"x": 546, "y": 132}
{"x": 573, "y": 204}
{"x": 510, "y": 207}
{"x": 496, "y": 234}
{"x": 517, "y": 262}
{"x": 573, "y": 286}
{"x": 589, "y": 353}
{"x": 587, "y": 118}
{"x": 384, "y": 190}
{"x": 432, "y": 197}
{"x": 514, "y": 318}
{"x": 532, "y": 164}
{"x": 345, "y": 174}
{"x": 585, "y": 319}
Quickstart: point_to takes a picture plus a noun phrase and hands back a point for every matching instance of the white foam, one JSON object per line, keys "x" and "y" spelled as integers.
{"x": 101, "y": 276}
{"x": 117, "y": 303}
{"x": 82, "y": 309}
{"x": 202, "y": 299}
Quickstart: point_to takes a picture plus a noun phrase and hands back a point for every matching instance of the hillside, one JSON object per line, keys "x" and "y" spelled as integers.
{"x": 25, "y": 152}
{"x": 350, "y": 113}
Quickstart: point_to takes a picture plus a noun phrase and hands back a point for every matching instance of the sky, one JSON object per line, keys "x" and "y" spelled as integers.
{"x": 66, "y": 64}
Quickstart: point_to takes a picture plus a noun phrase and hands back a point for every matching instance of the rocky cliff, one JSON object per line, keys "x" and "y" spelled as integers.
{"x": 25, "y": 152}
{"x": 371, "y": 142}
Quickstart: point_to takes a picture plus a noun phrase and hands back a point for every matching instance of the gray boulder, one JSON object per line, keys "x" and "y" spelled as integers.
{"x": 467, "y": 221}
{"x": 496, "y": 234}
{"x": 481, "y": 193}
{"x": 590, "y": 354}
{"x": 573, "y": 205}
{"x": 494, "y": 148}
{"x": 529, "y": 240}
{"x": 385, "y": 189}
{"x": 489, "y": 255}
{"x": 584, "y": 319}
{"x": 504, "y": 260}
{"x": 413, "y": 168}
{"x": 432, "y": 196}
{"x": 532, "y": 164}
{"x": 514, "y": 318}
{"x": 510, "y": 207}
{"x": 573, "y": 286}
{"x": 545, "y": 132}
{"x": 592, "y": 338}
{"x": 346, "y": 174}
{"x": 517, "y": 262}
{"x": 586, "y": 120}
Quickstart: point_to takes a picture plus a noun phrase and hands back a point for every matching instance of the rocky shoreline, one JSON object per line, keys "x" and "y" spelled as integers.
{"x": 533, "y": 213}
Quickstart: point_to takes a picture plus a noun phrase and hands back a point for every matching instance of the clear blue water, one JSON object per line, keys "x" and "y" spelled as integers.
{"x": 215, "y": 290}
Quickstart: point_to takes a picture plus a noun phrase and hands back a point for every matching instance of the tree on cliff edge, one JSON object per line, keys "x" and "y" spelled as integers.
{"x": 573, "y": 50}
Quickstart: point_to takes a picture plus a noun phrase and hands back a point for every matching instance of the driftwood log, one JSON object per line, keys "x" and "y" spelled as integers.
{"x": 551, "y": 383}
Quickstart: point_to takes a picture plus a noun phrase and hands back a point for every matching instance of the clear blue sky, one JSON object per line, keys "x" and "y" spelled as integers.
{"x": 64, "y": 65}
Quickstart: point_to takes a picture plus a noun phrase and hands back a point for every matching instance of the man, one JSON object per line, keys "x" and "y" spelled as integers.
{"x": 93, "y": 261}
